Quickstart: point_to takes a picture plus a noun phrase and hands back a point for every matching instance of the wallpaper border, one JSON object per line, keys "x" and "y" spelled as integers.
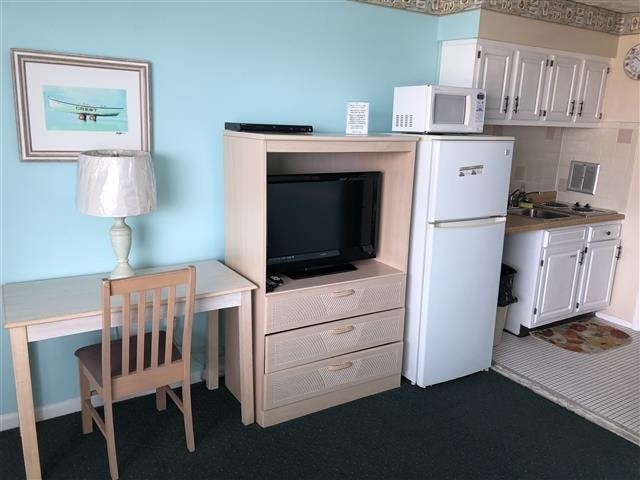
{"x": 564, "y": 12}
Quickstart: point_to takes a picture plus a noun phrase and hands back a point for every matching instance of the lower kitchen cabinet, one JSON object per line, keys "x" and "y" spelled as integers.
{"x": 561, "y": 273}
{"x": 559, "y": 269}
{"x": 601, "y": 254}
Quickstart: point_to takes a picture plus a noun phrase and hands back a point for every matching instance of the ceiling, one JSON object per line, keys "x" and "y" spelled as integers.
{"x": 620, "y": 6}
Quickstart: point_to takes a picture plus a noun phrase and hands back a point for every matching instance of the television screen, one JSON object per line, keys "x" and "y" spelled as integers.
{"x": 318, "y": 223}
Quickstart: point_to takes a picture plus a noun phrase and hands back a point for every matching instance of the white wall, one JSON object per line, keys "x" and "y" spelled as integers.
{"x": 622, "y": 109}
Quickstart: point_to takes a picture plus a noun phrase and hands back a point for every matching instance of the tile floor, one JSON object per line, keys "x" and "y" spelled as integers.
{"x": 603, "y": 387}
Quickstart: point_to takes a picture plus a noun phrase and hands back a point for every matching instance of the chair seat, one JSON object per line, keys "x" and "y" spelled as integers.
{"x": 91, "y": 355}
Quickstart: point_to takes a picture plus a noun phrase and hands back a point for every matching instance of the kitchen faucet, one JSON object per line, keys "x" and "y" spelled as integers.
{"x": 518, "y": 196}
{"x": 513, "y": 200}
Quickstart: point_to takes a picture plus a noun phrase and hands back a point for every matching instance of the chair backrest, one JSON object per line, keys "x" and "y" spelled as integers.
{"x": 164, "y": 296}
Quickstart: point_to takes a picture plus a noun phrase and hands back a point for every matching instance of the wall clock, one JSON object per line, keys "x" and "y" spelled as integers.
{"x": 631, "y": 62}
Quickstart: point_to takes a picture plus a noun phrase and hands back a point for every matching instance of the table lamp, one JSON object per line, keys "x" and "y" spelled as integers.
{"x": 118, "y": 184}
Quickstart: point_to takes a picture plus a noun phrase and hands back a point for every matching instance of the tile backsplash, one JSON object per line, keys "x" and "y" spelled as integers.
{"x": 536, "y": 154}
{"x": 614, "y": 147}
{"x": 543, "y": 155}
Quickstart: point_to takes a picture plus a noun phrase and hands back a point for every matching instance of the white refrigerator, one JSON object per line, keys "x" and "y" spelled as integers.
{"x": 457, "y": 231}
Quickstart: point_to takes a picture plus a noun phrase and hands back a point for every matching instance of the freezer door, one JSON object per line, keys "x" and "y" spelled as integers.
{"x": 460, "y": 293}
{"x": 469, "y": 179}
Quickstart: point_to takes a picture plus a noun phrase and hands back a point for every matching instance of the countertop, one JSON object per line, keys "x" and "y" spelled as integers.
{"x": 518, "y": 223}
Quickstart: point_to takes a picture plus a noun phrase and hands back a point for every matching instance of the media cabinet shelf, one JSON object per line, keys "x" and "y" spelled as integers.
{"x": 354, "y": 319}
{"x": 365, "y": 269}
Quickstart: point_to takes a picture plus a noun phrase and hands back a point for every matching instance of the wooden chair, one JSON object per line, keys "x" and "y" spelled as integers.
{"x": 137, "y": 363}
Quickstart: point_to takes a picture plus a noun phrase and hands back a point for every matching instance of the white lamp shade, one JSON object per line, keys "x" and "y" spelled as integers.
{"x": 115, "y": 183}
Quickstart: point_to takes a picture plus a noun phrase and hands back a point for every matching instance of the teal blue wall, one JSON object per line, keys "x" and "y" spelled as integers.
{"x": 281, "y": 62}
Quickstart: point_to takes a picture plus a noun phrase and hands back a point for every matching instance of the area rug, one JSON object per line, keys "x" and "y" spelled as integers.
{"x": 584, "y": 336}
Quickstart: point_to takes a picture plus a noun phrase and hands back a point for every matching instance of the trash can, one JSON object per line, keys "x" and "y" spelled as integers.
{"x": 505, "y": 298}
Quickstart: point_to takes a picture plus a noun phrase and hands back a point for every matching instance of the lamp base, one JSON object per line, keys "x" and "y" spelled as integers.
{"x": 121, "y": 243}
{"x": 122, "y": 270}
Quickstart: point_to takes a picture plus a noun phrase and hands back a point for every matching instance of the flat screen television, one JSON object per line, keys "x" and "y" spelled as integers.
{"x": 318, "y": 223}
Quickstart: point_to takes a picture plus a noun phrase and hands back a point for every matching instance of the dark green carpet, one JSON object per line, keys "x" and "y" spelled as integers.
{"x": 480, "y": 427}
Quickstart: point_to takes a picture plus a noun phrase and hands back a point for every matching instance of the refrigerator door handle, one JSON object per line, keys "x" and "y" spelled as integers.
{"x": 481, "y": 222}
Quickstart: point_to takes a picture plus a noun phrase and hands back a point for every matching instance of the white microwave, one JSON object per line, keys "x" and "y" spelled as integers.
{"x": 438, "y": 109}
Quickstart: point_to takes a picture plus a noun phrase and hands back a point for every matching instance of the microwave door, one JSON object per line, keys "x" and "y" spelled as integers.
{"x": 449, "y": 109}
{"x": 449, "y": 113}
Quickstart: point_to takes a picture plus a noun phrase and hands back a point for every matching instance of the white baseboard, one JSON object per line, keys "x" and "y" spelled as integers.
{"x": 616, "y": 320}
{"x": 45, "y": 412}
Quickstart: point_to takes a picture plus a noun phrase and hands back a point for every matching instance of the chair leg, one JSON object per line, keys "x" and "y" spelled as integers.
{"x": 111, "y": 439}
{"x": 186, "y": 412}
{"x": 161, "y": 398}
{"x": 85, "y": 396}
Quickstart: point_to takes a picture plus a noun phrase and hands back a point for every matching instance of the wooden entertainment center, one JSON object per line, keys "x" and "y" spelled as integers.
{"x": 325, "y": 340}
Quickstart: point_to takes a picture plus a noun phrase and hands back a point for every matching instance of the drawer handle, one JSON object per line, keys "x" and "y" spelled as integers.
{"x": 609, "y": 232}
{"x": 340, "y": 330}
{"x": 343, "y": 293}
{"x": 342, "y": 366}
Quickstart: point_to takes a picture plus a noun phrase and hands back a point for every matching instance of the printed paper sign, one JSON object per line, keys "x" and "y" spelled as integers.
{"x": 357, "y": 118}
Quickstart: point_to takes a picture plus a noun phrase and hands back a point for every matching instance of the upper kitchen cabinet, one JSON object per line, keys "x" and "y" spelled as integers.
{"x": 494, "y": 76}
{"x": 527, "y": 85}
{"x": 562, "y": 88}
{"x": 591, "y": 96}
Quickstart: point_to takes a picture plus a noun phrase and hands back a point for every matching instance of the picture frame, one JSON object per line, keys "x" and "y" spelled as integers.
{"x": 66, "y": 104}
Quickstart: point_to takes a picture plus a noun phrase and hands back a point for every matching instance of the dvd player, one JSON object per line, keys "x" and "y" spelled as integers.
{"x": 267, "y": 127}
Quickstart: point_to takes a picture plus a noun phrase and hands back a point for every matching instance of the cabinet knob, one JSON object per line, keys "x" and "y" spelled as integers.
{"x": 609, "y": 232}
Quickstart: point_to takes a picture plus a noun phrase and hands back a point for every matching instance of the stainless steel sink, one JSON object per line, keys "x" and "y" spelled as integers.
{"x": 537, "y": 213}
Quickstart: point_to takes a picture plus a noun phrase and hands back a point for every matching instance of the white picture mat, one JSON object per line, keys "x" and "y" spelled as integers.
{"x": 39, "y": 75}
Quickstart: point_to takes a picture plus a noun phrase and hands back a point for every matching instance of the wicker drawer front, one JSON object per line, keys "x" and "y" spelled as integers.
{"x": 305, "y": 345}
{"x": 322, "y": 304}
{"x": 299, "y": 383}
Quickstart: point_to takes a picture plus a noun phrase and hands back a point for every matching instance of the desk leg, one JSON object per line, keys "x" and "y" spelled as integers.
{"x": 212, "y": 379}
{"x": 24, "y": 396}
{"x": 245, "y": 327}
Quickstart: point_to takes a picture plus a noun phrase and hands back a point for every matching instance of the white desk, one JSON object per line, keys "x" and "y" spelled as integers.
{"x": 44, "y": 309}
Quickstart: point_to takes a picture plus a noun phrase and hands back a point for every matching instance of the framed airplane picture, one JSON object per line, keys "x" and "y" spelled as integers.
{"x": 66, "y": 104}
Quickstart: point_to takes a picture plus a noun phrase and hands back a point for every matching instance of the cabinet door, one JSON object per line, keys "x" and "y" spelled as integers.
{"x": 596, "y": 280}
{"x": 557, "y": 290}
{"x": 494, "y": 75}
{"x": 562, "y": 88}
{"x": 530, "y": 69}
{"x": 594, "y": 78}
{"x": 458, "y": 63}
